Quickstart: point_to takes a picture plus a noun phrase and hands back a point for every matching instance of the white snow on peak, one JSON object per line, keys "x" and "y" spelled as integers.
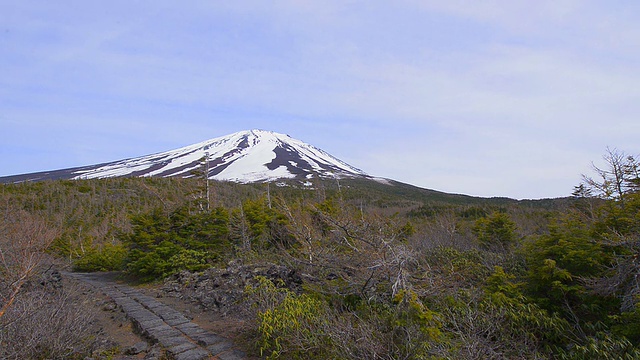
{"x": 241, "y": 157}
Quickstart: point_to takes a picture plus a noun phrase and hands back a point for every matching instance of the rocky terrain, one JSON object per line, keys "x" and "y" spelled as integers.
{"x": 221, "y": 290}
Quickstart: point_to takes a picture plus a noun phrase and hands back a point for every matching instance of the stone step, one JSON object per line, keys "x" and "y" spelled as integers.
{"x": 159, "y": 323}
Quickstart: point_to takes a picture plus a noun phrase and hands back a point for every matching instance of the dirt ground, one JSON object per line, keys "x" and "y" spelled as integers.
{"x": 114, "y": 332}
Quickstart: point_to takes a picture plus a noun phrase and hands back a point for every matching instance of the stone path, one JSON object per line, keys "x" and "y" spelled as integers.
{"x": 159, "y": 323}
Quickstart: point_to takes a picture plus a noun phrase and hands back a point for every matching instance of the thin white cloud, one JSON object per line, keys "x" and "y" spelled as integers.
{"x": 454, "y": 95}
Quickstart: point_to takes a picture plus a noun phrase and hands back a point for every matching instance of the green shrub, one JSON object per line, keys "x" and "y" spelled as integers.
{"x": 496, "y": 232}
{"x": 187, "y": 259}
{"x": 108, "y": 258}
{"x": 601, "y": 346}
{"x": 500, "y": 325}
{"x": 163, "y": 244}
{"x": 153, "y": 264}
{"x": 415, "y": 327}
{"x": 292, "y": 325}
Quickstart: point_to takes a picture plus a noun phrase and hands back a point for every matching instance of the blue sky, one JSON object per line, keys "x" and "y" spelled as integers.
{"x": 487, "y": 98}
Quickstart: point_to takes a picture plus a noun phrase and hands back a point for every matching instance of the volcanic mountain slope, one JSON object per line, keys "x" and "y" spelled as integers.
{"x": 246, "y": 156}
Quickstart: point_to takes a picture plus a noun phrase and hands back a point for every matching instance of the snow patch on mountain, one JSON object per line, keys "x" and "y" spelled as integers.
{"x": 246, "y": 156}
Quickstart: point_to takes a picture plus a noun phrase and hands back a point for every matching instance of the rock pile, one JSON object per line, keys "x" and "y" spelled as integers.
{"x": 222, "y": 290}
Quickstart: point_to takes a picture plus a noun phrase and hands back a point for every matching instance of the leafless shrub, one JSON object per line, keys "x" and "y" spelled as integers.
{"x": 24, "y": 239}
{"x": 37, "y": 320}
{"x": 352, "y": 337}
{"x": 46, "y": 324}
{"x": 623, "y": 281}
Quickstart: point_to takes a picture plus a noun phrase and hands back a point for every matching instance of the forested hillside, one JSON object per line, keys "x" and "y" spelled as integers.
{"x": 383, "y": 271}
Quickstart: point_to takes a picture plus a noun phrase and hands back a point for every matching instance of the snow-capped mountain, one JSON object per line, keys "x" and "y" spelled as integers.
{"x": 246, "y": 156}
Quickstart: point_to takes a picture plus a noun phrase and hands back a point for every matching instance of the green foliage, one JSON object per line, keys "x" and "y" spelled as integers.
{"x": 110, "y": 257}
{"x": 501, "y": 288}
{"x": 601, "y": 346}
{"x": 627, "y": 325}
{"x": 500, "y": 324}
{"x": 619, "y": 219}
{"x": 558, "y": 260}
{"x": 301, "y": 326}
{"x": 473, "y": 212}
{"x": 496, "y": 232}
{"x": 329, "y": 207}
{"x": 206, "y": 231}
{"x": 407, "y": 230}
{"x": 462, "y": 267}
{"x": 428, "y": 211}
{"x": 416, "y": 328}
{"x": 559, "y": 263}
{"x": 522, "y": 315}
{"x": 190, "y": 260}
{"x": 267, "y": 226}
{"x": 162, "y": 244}
{"x": 291, "y": 325}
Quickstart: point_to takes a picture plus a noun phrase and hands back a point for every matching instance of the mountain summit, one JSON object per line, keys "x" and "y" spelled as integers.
{"x": 246, "y": 156}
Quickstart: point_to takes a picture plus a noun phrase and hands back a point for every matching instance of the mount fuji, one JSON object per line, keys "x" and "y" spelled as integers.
{"x": 244, "y": 157}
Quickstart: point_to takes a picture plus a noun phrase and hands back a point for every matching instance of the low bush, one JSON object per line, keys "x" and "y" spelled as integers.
{"x": 290, "y": 326}
{"x": 108, "y": 258}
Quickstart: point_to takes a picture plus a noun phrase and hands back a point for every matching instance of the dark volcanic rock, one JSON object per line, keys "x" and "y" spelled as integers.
{"x": 222, "y": 290}
{"x": 137, "y": 348}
